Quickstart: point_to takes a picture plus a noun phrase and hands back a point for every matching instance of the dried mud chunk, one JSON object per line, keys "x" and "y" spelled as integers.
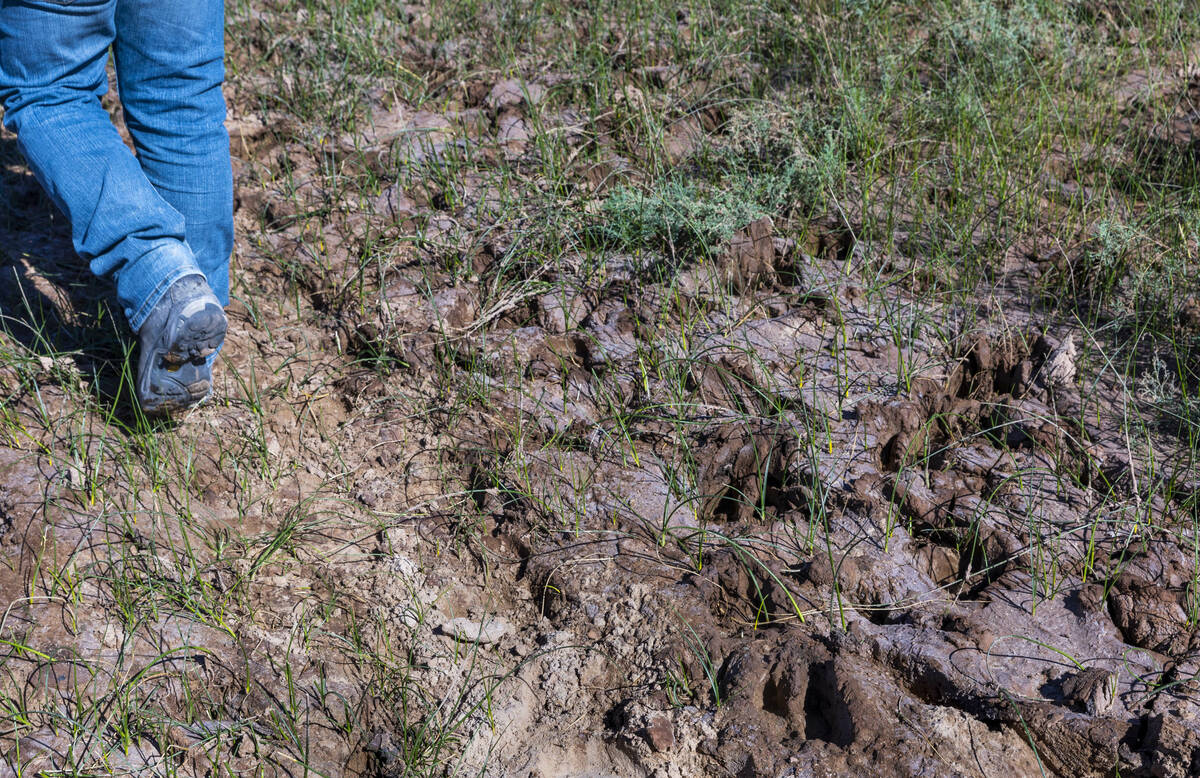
{"x": 1058, "y": 368}
{"x": 735, "y": 464}
{"x": 512, "y": 132}
{"x": 1068, "y": 743}
{"x": 1091, "y": 690}
{"x": 608, "y": 342}
{"x": 394, "y": 204}
{"x": 529, "y": 350}
{"x": 1148, "y": 615}
{"x": 1028, "y": 422}
{"x": 683, "y": 137}
{"x": 1173, "y": 748}
{"x": 1189, "y": 313}
{"x": 750, "y": 259}
{"x": 513, "y": 93}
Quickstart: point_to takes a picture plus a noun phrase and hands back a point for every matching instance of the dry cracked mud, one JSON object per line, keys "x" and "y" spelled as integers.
{"x": 622, "y": 514}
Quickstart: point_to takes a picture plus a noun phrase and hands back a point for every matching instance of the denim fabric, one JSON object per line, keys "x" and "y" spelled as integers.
{"x": 143, "y": 221}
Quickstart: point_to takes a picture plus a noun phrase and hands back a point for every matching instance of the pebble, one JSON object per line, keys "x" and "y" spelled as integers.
{"x": 481, "y": 632}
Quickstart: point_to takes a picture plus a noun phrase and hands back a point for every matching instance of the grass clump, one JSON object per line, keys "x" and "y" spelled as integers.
{"x": 767, "y": 163}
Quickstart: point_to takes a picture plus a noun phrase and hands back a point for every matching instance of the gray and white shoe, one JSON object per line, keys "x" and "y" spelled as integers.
{"x": 183, "y": 330}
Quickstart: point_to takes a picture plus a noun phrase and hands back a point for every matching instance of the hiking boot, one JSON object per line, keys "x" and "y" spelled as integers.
{"x": 185, "y": 328}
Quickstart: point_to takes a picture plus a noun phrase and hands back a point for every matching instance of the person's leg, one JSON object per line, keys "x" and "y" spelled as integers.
{"x": 52, "y": 74}
{"x": 170, "y": 67}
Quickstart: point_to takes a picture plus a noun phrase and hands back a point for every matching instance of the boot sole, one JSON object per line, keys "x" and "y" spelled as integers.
{"x": 194, "y": 337}
{"x": 197, "y": 335}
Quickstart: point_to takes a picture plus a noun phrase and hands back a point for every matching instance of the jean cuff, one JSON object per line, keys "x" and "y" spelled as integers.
{"x": 141, "y": 284}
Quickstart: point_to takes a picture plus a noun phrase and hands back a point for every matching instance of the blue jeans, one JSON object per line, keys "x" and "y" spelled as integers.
{"x": 142, "y": 221}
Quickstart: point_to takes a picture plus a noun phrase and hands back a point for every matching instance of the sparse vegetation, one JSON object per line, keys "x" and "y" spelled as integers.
{"x": 709, "y": 388}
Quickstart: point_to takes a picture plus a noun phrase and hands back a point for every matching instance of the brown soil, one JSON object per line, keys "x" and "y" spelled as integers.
{"x": 919, "y": 555}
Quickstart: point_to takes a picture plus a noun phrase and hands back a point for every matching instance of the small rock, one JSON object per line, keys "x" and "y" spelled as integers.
{"x": 660, "y": 734}
{"x": 481, "y": 632}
